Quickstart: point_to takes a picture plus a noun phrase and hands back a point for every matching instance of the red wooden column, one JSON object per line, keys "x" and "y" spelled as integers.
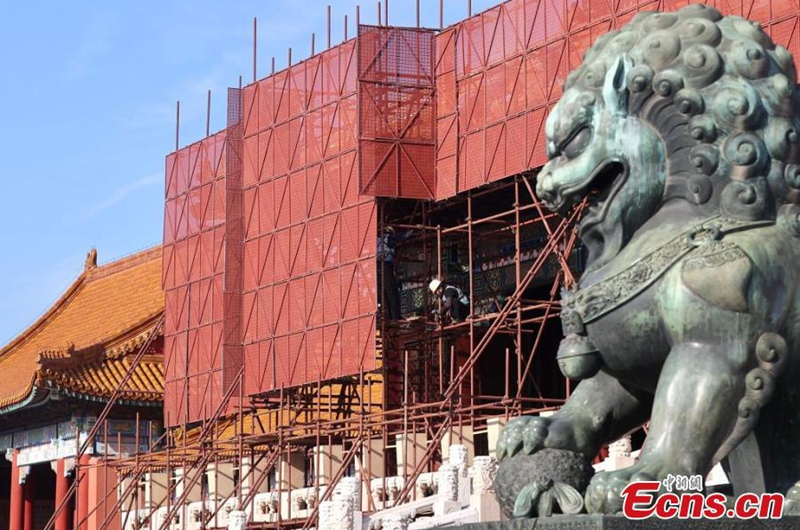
{"x": 15, "y": 508}
{"x": 28, "y": 494}
{"x": 82, "y": 510}
{"x": 62, "y": 486}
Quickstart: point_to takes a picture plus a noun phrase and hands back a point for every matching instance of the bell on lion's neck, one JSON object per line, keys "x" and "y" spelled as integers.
{"x": 578, "y": 358}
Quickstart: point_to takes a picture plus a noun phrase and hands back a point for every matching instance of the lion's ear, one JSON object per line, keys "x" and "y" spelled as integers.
{"x": 615, "y": 89}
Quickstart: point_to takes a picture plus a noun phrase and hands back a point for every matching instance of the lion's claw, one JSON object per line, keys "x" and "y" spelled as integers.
{"x": 604, "y": 494}
{"x": 534, "y": 435}
{"x": 511, "y": 440}
{"x": 526, "y": 433}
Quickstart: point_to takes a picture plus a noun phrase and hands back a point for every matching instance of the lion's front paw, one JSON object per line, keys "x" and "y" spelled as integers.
{"x": 604, "y": 494}
{"x": 510, "y": 440}
{"x": 525, "y": 432}
{"x": 533, "y": 433}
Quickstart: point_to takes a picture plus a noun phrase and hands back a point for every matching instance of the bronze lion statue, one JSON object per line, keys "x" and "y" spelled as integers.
{"x": 681, "y": 131}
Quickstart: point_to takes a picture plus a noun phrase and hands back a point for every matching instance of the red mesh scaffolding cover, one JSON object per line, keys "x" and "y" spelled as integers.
{"x": 309, "y": 237}
{"x": 233, "y": 349}
{"x": 500, "y": 72}
{"x": 284, "y": 199}
{"x": 194, "y": 249}
{"x": 396, "y": 112}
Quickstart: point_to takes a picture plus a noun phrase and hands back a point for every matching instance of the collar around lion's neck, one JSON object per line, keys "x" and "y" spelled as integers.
{"x": 590, "y": 302}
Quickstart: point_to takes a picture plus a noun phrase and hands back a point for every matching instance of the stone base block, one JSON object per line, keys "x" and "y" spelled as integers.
{"x": 487, "y": 507}
{"x": 444, "y": 507}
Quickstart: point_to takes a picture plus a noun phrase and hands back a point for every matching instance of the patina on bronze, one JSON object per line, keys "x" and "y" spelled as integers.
{"x": 682, "y": 129}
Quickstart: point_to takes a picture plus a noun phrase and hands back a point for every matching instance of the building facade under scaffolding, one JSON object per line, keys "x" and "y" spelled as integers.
{"x": 291, "y": 399}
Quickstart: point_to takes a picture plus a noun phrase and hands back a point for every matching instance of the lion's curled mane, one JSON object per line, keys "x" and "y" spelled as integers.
{"x": 732, "y": 146}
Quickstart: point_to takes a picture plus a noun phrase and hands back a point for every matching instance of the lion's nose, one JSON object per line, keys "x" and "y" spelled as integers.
{"x": 546, "y": 187}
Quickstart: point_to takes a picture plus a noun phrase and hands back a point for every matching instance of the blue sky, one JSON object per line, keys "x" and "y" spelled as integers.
{"x": 87, "y": 103}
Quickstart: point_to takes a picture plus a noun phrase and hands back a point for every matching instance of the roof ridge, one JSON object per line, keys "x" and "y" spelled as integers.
{"x": 124, "y": 263}
{"x": 49, "y": 314}
{"x": 86, "y": 276}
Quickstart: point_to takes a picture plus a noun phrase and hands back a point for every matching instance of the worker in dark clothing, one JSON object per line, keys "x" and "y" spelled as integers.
{"x": 387, "y": 280}
{"x": 454, "y": 301}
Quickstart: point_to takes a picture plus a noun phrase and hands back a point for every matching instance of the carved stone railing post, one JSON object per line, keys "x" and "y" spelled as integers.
{"x": 393, "y": 493}
{"x": 448, "y": 482}
{"x": 237, "y": 520}
{"x": 349, "y": 489}
{"x": 336, "y": 514}
{"x": 426, "y": 485}
{"x": 458, "y": 458}
{"x": 344, "y": 507}
{"x": 621, "y": 447}
{"x": 458, "y": 455}
{"x": 483, "y": 499}
{"x": 376, "y": 490}
{"x": 619, "y": 454}
{"x": 484, "y": 471}
{"x": 448, "y": 490}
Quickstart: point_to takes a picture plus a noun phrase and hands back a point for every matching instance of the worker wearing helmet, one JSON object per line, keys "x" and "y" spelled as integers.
{"x": 387, "y": 279}
{"x": 454, "y": 301}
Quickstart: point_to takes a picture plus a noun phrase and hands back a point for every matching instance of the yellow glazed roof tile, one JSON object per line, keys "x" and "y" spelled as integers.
{"x": 100, "y": 319}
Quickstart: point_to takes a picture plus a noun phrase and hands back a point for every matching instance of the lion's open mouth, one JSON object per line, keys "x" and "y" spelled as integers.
{"x": 601, "y": 188}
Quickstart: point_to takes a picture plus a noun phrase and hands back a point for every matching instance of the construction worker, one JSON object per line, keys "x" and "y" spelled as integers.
{"x": 387, "y": 280}
{"x": 454, "y": 301}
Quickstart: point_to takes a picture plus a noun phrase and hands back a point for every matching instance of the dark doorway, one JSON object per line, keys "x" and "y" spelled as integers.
{"x": 5, "y": 491}
{"x": 44, "y": 494}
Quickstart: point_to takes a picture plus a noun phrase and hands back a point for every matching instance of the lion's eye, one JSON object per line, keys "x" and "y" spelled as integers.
{"x": 576, "y": 143}
{"x": 552, "y": 150}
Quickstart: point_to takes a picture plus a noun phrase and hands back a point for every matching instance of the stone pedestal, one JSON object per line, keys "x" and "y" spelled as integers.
{"x": 487, "y": 507}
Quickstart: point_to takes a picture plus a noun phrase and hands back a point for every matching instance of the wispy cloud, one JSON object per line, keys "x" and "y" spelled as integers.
{"x": 95, "y": 41}
{"x": 122, "y": 192}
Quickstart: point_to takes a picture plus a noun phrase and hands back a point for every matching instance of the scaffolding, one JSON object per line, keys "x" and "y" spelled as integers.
{"x": 440, "y": 393}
